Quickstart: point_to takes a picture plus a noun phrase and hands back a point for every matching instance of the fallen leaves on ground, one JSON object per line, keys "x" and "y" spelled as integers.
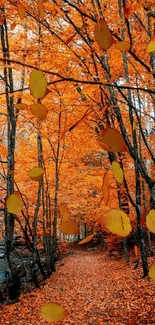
{"x": 94, "y": 288}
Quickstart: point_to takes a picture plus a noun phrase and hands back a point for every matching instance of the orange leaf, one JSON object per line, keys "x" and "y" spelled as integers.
{"x": 39, "y": 111}
{"x": 134, "y": 318}
{"x": 12, "y": 26}
{"x": 70, "y": 38}
{"x": 111, "y": 140}
{"x": 21, "y": 11}
{"x": 123, "y": 46}
{"x": 64, "y": 212}
{"x": 103, "y": 35}
{"x": 21, "y": 106}
{"x": 113, "y": 77}
{"x": 136, "y": 251}
{"x": 41, "y": 9}
{"x": 69, "y": 228}
{"x": 86, "y": 240}
{"x": 105, "y": 188}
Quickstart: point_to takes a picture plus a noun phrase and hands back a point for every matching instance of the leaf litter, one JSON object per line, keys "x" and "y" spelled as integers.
{"x": 94, "y": 287}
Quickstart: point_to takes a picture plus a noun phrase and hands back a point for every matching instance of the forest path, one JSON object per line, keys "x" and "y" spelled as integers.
{"x": 94, "y": 288}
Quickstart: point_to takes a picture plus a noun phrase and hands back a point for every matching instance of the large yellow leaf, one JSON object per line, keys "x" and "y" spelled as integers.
{"x": 118, "y": 172}
{"x": 69, "y": 228}
{"x": 152, "y": 272}
{"x": 21, "y": 11}
{"x": 38, "y": 84}
{"x": 41, "y": 9}
{"x": 151, "y": 45}
{"x": 103, "y": 35}
{"x": 111, "y": 140}
{"x": 39, "y": 111}
{"x": 117, "y": 222}
{"x": 14, "y": 203}
{"x": 64, "y": 212}
{"x": 86, "y": 240}
{"x": 123, "y": 46}
{"x": 150, "y": 221}
{"x": 53, "y": 312}
{"x": 36, "y": 173}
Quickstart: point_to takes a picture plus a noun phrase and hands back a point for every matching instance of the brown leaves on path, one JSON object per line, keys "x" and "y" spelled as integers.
{"x": 94, "y": 288}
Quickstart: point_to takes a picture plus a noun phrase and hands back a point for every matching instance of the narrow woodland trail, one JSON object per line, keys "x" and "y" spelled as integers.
{"x": 94, "y": 288}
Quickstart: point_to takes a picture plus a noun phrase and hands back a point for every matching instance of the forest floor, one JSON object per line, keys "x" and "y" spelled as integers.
{"x": 94, "y": 287}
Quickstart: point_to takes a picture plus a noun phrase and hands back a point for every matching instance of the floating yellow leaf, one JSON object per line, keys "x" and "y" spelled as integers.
{"x": 41, "y": 9}
{"x": 86, "y": 240}
{"x": 21, "y": 11}
{"x": 21, "y": 106}
{"x": 151, "y": 45}
{"x": 117, "y": 222}
{"x": 69, "y": 228}
{"x": 36, "y": 173}
{"x": 123, "y": 46}
{"x": 53, "y": 312}
{"x": 111, "y": 140}
{"x": 118, "y": 172}
{"x": 14, "y": 203}
{"x": 103, "y": 35}
{"x": 150, "y": 221}
{"x": 152, "y": 272}
{"x": 39, "y": 111}
{"x": 38, "y": 84}
{"x": 64, "y": 212}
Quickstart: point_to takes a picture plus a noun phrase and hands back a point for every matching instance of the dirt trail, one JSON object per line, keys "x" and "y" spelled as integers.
{"x": 94, "y": 288}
